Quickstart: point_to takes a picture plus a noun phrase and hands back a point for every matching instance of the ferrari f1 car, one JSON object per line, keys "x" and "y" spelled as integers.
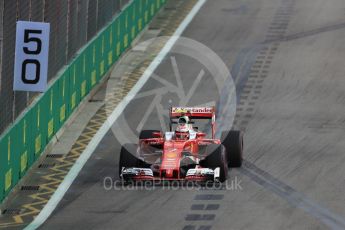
{"x": 184, "y": 153}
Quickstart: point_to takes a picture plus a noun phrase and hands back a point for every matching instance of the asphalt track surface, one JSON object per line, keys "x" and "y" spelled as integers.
{"x": 287, "y": 59}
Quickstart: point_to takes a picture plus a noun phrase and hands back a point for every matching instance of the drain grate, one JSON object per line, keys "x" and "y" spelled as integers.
{"x": 170, "y": 8}
{"x": 11, "y": 211}
{"x": 54, "y": 155}
{"x": 30, "y": 188}
{"x": 96, "y": 100}
{"x": 45, "y": 166}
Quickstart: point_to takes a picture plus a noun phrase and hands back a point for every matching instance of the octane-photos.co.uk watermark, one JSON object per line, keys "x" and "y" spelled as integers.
{"x": 209, "y": 84}
{"x": 234, "y": 184}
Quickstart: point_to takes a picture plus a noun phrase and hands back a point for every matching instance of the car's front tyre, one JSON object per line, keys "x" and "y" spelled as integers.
{"x": 128, "y": 157}
{"x": 216, "y": 157}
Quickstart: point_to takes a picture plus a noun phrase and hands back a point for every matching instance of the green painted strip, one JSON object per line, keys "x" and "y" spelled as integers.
{"x": 24, "y": 142}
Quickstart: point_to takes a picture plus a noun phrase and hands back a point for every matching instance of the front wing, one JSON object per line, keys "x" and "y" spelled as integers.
{"x": 145, "y": 174}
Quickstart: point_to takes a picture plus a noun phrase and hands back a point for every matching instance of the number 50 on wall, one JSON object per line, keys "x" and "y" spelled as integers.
{"x": 31, "y": 56}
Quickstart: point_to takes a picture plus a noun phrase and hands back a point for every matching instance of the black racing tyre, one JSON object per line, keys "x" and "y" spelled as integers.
{"x": 233, "y": 142}
{"x": 146, "y": 134}
{"x": 216, "y": 157}
{"x": 128, "y": 157}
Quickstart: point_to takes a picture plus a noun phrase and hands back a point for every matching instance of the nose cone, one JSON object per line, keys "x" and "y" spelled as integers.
{"x": 169, "y": 173}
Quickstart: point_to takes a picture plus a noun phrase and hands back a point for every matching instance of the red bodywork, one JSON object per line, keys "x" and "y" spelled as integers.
{"x": 173, "y": 150}
{"x": 172, "y": 153}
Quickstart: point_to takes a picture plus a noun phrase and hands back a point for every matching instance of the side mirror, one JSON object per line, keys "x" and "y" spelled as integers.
{"x": 201, "y": 135}
{"x": 157, "y": 134}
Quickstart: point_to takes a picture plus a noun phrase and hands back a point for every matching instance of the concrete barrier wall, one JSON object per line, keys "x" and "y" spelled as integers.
{"x": 73, "y": 24}
{"x": 23, "y": 143}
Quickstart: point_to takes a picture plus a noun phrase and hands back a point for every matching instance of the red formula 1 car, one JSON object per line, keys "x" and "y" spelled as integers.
{"x": 184, "y": 153}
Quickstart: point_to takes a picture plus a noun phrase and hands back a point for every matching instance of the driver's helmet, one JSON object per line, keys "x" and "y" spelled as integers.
{"x": 184, "y": 124}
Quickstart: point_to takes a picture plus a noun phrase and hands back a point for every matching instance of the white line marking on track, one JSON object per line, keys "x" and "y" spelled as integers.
{"x": 74, "y": 171}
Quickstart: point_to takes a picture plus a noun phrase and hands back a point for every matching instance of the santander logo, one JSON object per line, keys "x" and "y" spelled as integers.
{"x": 192, "y": 109}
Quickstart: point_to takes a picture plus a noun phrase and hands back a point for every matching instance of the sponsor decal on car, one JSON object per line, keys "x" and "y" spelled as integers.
{"x": 192, "y": 109}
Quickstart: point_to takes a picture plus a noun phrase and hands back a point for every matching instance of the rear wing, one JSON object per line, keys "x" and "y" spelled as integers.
{"x": 208, "y": 113}
{"x": 193, "y": 112}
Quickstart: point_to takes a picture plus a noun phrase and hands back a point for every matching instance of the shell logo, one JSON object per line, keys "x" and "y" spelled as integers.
{"x": 171, "y": 155}
{"x": 180, "y": 110}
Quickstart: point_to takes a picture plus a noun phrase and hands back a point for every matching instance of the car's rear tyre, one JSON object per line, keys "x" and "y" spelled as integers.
{"x": 216, "y": 157}
{"x": 233, "y": 142}
{"x": 128, "y": 157}
{"x": 146, "y": 134}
